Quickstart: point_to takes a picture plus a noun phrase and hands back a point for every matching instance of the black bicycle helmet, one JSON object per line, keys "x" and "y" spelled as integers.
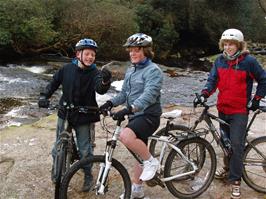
{"x": 86, "y": 43}
{"x": 138, "y": 39}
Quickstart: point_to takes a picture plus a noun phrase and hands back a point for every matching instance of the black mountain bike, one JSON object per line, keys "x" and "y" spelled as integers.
{"x": 185, "y": 175}
{"x": 66, "y": 149}
{"x": 254, "y": 159}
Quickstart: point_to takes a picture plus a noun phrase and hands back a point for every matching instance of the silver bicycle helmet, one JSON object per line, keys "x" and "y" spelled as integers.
{"x": 86, "y": 43}
{"x": 138, "y": 39}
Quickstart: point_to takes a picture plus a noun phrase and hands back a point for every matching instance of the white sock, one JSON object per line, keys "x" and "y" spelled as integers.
{"x": 137, "y": 187}
{"x": 150, "y": 159}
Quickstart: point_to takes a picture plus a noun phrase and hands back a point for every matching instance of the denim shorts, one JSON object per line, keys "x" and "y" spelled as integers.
{"x": 144, "y": 126}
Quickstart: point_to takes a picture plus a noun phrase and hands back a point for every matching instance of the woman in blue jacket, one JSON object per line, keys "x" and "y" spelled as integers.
{"x": 141, "y": 96}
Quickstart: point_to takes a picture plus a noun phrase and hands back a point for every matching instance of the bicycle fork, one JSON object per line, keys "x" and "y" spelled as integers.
{"x": 102, "y": 176}
{"x": 106, "y": 166}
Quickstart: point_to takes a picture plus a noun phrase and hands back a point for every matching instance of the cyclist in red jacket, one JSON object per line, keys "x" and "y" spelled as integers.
{"x": 233, "y": 74}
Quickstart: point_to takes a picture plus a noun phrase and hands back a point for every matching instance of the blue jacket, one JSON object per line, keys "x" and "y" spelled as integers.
{"x": 142, "y": 88}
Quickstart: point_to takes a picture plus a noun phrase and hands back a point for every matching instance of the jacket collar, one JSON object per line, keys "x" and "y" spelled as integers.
{"x": 143, "y": 63}
{"x": 236, "y": 61}
{"x": 75, "y": 61}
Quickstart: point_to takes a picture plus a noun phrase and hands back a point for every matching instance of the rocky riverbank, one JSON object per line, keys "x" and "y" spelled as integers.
{"x": 25, "y": 160}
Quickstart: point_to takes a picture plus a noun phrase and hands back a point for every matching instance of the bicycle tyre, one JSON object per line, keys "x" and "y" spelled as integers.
{"x": 60, "y": 167}
{"x": 251, "y": 171}
{"x": 115, "y": 187}
{"x": 177, "y": 129}
{"x": 197, "y": 183}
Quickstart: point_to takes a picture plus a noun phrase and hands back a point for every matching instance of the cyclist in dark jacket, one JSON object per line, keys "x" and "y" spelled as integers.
{"x": 233, "y": 74}
{"x": 80, "y": 80}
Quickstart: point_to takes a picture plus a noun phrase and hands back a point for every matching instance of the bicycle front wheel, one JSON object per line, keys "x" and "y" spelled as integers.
{"x": 155, "y": 147}
{"x": 117, "y": 182}
{"x": 254, "y": 172}
{"x": 199, "y": 151}
{"x": 59, "y": 167}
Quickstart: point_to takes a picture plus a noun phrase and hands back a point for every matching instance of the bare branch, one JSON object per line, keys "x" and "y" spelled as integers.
{"x": 262, "y": 4}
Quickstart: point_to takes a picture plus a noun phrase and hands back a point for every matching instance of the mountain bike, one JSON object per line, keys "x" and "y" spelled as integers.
{"x": 254, "y": 158}
{"x": 181, "y": 173}
{"x": 66, "y": 149}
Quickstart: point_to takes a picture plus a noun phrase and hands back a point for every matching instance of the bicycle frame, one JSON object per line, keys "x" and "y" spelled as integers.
{"x": 167, "y": 142}
{"x": 208, "y": 117}
{"x": 66, "y": 137}
{"x": 110, "y": 147}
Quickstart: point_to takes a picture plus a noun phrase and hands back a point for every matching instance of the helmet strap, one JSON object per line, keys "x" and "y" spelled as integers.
{"x": 81, "y": 64}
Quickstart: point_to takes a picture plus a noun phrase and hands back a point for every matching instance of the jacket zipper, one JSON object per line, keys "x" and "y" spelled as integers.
{"x": 129, "y": 80}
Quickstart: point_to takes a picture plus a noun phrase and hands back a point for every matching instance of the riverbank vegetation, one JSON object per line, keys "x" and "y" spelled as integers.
{"x": 180, "y": 29}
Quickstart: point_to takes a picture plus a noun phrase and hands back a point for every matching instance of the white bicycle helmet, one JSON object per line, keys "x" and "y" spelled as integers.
{"x": 232, "y": 34}
{"x": 138, "y": 39}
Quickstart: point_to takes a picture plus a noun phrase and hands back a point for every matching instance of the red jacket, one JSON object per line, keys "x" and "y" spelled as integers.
{"x": 234, "y": 80}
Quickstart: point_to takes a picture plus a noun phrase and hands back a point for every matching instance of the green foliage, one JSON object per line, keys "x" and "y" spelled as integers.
{"x": 24, "y": 24}
{"x": 56, "y": 25}
{"x": 194, "y": 27}
{"x": 107, "y": 22}
{"x": 179, "y": 28}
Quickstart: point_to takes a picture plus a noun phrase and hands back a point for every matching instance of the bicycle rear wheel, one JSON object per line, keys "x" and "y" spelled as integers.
{"x": 155, "y": 147}
{"x": 254, "y": 172}
{"x": 118, "y": 180}
{"x": 202, "y": 154}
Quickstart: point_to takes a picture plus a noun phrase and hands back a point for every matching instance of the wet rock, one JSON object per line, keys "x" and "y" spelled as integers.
{"x": 8, "y": 103}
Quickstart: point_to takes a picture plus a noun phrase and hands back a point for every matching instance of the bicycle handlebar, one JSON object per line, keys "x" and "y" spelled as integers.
{"x": 203, "y": 103}
{"x": 80, "y": 109}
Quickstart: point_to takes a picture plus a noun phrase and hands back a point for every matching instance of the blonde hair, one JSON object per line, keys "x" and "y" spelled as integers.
{"x": 242, "y": 46}
{"x": 148, "y": 52}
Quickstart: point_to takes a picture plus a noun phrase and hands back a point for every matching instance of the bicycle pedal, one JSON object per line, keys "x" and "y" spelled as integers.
{"x": 151, "y": 183}
{"x": 155, "y": 181}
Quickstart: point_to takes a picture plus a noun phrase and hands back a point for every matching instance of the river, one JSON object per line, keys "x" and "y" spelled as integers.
{"x": 20, "y": 85}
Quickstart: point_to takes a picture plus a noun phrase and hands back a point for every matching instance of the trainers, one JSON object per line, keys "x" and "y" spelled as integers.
{"x": 149, "y": 169}
{"x": 135, "y": 194}
{"x": 235, "y": 190}
{"x": 221, "y": 173}
{"x": 88, "y": 184}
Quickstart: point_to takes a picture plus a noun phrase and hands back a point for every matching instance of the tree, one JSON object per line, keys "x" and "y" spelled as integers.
{"x": 56, "y": 25}
{"x": 25, "y": 25}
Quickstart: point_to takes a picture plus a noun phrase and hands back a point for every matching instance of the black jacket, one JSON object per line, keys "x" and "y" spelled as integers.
{"x": 79, "y": 87}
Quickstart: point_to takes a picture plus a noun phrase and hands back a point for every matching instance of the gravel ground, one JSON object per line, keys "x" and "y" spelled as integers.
{"x": 25, "y": 161}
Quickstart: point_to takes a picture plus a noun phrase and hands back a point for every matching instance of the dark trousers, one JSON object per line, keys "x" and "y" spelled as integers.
{"x": 236, "y": 132}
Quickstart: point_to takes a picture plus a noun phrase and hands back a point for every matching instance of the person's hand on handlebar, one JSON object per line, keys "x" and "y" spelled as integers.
{"x": 200, "y": 99}
{"x": 120, "y": 115}
{"x": 107, "y": 106}
{"x": 254, "y": 103}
